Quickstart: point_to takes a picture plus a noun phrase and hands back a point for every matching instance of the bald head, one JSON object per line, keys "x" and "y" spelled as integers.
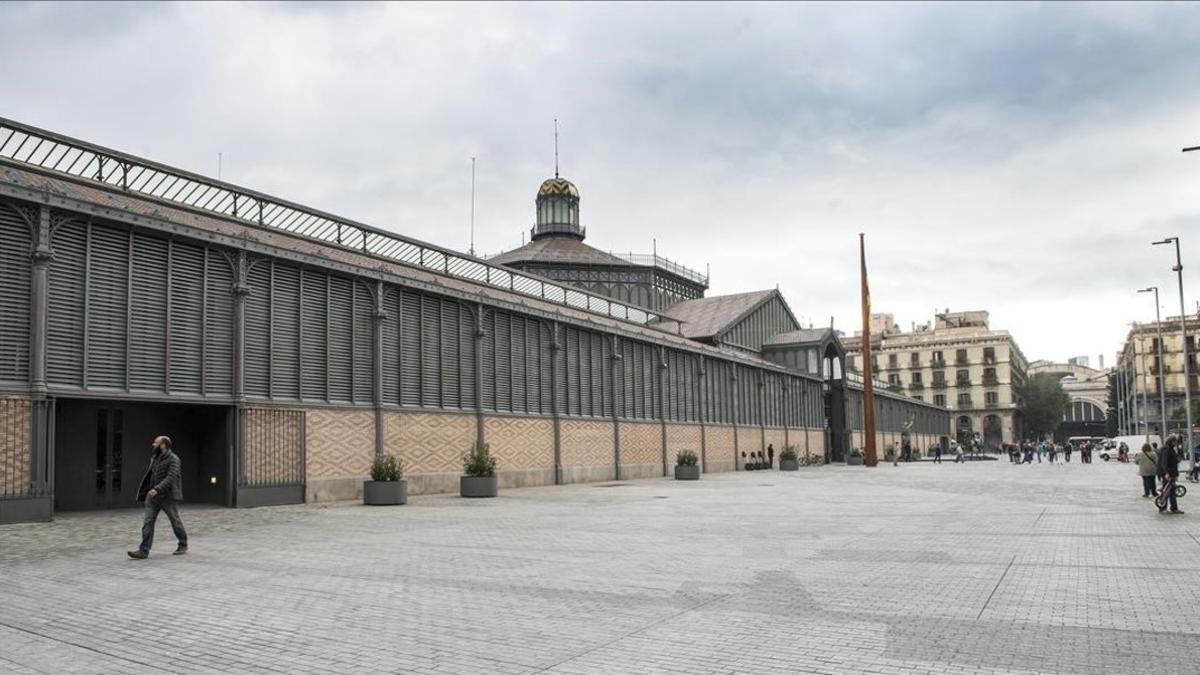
{"x": 162, "y": 443}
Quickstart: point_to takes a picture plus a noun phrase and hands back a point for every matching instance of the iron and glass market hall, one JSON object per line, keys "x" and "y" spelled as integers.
{"x": 282, "y": 348}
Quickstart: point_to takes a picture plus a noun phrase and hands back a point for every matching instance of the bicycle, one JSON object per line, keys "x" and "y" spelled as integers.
{"x": 1161, "y": 500}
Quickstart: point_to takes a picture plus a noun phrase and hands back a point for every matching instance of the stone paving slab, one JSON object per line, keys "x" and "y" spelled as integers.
{"x": 922, "y": 568}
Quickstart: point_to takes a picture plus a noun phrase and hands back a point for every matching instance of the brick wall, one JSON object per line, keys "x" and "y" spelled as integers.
{"x": 339, "y": 446}
{"x": 587, "y": 450}
{"x": 14, "y": 445}
{"x": 523, "y": 447}
{"x": 719, "y": 448}
{"x": 641, "y": 450}
{"x": 683, "y": 437}
{"x": 431, "y": 446}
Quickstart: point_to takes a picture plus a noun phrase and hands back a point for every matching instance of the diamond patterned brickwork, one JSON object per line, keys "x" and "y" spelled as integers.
{"x": 718, "y": 445}
{"x": 14, "y": 445}
{"x": 777, "y": 438}
{"x": 749, "y": 440}
{"x": 339, "y": 443}
{"x": 520, "y": 442}
{"x": 683, "y": 437}
{"x": 586, "y": 443}
{"x": 430, "y": 442}
{"x": 641, "y": 443}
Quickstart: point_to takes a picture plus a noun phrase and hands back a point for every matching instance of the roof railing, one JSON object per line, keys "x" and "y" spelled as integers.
{"x": 655, "y": 260}
{"x": 49, "y": 151}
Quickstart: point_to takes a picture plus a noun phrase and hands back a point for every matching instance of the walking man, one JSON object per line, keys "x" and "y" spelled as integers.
{"x": 161, "y": 490}
{"x": 937, "y": 453}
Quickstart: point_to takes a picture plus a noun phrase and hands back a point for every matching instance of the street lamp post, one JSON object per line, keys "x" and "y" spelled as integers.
{"x": 1162, "y": 387}
{"x": 1187, "y": 371}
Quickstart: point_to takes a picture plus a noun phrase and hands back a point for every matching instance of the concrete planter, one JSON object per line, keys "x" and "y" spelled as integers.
{"x": 687, "y": 472}
{"x": 385, "y": 493}
{"x": 852, "y": 460}
{"x": 789, "y": 465}
{"x": 478, "y": 486}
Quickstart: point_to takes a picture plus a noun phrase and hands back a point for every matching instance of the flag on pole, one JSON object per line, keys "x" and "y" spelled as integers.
{"x": 870, "y": 457}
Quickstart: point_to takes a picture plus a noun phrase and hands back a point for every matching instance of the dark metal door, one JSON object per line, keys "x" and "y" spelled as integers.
{"x": 110, "y": 458}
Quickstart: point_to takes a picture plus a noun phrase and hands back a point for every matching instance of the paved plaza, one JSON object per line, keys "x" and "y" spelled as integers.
{"x": 977, "y": 568}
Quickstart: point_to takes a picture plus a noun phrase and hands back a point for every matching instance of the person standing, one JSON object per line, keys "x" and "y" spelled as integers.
{"x": 1147, "y": 466}
{"x": 937, "y": 453}
{"x": 771, "y": 455}
{"x": 1067, "y": 448}
{"x": 1168, "y": 470}
{"x": 161, "y": 490}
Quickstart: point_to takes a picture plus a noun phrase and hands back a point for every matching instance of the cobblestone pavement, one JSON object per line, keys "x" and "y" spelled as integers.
{"x": 977, "y": 568}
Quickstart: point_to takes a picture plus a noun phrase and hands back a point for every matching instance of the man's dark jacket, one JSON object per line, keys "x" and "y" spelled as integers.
{"x": 163, "y": 475}
{"x": 1168, "y": 461}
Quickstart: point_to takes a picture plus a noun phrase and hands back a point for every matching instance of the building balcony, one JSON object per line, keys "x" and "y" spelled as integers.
{"x": 962, "y": 362}
{"x": 938, "y": 384}
{"x": 990, "y": 381}
{"x": 965, "y": 405}
{"x": 992, "y": 404}
{"x": 962, "y": 383}
{"x": 916, "y": 385}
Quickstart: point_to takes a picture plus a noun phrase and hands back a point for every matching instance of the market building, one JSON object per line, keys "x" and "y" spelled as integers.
{"x": 283, "y": 347}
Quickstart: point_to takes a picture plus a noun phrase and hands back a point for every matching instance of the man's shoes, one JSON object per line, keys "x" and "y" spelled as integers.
{"x": 138, "y": 554}
{"x": 1176, "y": 512}
{"x": 180, "y": 551}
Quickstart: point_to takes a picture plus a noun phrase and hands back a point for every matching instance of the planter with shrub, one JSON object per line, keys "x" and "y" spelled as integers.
{"x": 855, "y": 457}
{"x": 788, "y": 459}
{"x": 387, "y": 486}
{"x": 687, "y": 465}
{"x": 479, "y": 473}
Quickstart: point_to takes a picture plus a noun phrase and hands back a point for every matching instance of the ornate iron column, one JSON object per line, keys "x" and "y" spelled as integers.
{"x": 379, "y": 316}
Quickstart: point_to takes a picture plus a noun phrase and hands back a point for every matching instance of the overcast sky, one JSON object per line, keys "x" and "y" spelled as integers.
{"x": 1013, "y": 158}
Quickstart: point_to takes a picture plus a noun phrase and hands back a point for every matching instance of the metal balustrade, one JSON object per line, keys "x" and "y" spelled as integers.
{"x": 23, "y": 144}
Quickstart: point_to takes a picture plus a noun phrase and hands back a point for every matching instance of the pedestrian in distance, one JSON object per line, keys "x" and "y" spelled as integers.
{"x": 161, "y": 490}
{"x": 1067, "y": 449}
{"x": 958, "y": 453}
{"x": 937, "y": 453}
{"x": 771, "y": 455}
{"x": 1147, "y": 466}
{"x": 1168, "y": 470}
{"x": 1194, "y": 472}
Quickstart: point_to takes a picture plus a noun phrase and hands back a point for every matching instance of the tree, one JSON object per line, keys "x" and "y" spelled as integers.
{"x": 1110, "y": 421}
{"x": 1045, "y": 404}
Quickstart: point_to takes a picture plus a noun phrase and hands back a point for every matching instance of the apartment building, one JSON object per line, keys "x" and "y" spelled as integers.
{"x": 958, "y": 362}
{"x": 1139, "y": 374}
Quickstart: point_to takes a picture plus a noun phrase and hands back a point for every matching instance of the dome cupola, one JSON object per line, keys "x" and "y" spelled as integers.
{"x": 558, "y": 210}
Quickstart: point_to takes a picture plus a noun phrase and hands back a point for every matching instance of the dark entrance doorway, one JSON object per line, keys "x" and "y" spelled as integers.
{"x": 102, "y": 449}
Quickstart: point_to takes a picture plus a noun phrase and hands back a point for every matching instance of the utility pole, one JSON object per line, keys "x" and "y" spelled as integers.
{"x": 1187, "y": 370}
{"x": 1162, "y": 386}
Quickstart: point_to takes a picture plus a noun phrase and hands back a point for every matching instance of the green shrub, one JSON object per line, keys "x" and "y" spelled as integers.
{"x": 478, "y": 462}
{"x": 386, "y": 468}
{"x": 686, "y": 458}
{"x": 788, "y": 454}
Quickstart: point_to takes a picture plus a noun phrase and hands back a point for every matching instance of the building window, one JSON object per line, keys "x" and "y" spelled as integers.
{"x": 915, "y": 358}
{"x": 939, "y": 399}
{"x": 960, "y": 357}
{"x": 937, "y": 360}
{"x": 939, "y": 377}
{"x": 963, "y": 377}
{"x": 991, "y": 398}
{"x": 893, "y": 361}
{"x": 989, "y": 354}
{"x": 916, "y": 378}
{"x": 989, "y": 376}
{"x": 893, "y": 378}
{"x": 964, "y": 400}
